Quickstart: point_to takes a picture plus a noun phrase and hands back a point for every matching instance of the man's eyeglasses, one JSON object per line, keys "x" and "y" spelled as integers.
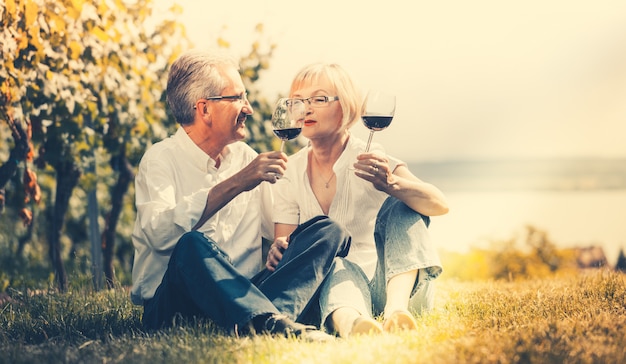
{"x": 315, "y": 101}
{"x": 243, "y": 98}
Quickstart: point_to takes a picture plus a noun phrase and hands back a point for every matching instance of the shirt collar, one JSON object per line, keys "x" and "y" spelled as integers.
{"x": 196, "y": 155}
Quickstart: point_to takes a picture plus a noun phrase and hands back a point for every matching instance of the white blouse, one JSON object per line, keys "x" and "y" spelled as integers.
{"x": 355, "y": 205}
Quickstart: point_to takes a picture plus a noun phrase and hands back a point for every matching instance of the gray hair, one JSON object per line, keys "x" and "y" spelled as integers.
{"x": 194, "y": 75}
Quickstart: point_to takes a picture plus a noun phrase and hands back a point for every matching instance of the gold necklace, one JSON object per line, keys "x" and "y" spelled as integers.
{"x": 327, "y": 183}
{"x": 330, "y": 179}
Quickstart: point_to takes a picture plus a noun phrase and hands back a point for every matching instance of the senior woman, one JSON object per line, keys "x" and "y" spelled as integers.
{"x": 392, "y": 262}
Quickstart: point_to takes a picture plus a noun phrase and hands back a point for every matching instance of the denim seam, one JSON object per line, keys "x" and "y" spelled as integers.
{"x": 391, "y": 274}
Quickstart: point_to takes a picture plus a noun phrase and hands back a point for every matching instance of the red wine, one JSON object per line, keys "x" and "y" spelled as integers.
{"x": 287, "y": 134}
{"x": 376, "y": 122}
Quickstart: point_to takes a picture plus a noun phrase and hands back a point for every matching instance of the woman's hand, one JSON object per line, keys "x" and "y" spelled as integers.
{"x": 275, "y": 253}
{"x": 400, "y": 183}
{"x": 374, "y": 168}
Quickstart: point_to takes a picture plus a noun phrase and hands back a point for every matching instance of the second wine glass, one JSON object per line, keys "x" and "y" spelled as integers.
{"x": 287, "y": 119}
{"x": 377, "y": 112}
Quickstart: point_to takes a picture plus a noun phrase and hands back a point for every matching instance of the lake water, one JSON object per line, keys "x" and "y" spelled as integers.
{"x": 576, "y": 207}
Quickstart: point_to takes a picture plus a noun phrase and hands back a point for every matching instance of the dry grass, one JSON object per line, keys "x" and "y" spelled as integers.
{"x": 575, "y": 319}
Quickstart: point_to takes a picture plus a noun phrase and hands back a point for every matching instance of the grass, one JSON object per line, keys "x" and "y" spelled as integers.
{"x": 575, "y": 319}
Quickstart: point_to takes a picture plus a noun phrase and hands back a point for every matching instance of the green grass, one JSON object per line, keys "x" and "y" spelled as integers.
{"x": 574, "y": 319}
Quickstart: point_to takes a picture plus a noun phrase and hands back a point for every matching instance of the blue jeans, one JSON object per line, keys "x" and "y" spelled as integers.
{"x": 402, "y": 244}
{"x": 200, "y": 280}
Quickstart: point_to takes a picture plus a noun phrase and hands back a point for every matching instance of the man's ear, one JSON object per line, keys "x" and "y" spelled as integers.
{"x": 204, "y": 110}
{"x": 204, "y": 107}
{"x": 206, "y": 115}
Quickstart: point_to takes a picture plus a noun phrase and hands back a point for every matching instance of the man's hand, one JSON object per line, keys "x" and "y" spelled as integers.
{"x": 268, "y": 166}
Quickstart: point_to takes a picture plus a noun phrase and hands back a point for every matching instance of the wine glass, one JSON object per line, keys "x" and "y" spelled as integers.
{"x": 377, "y": 112}
{"x": 287, "y": 119}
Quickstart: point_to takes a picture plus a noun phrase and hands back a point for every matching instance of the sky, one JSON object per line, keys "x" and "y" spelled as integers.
{"x": 473, "y": 79}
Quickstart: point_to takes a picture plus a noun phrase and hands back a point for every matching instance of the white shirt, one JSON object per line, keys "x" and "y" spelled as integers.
{"x": 355, "y": 205}
{"x": 171, "y": 189}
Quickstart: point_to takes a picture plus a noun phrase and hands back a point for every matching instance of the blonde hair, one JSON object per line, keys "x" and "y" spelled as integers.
{"x": 349, "y": 96}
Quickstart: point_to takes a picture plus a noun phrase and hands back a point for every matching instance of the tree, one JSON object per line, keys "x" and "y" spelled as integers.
{"x": 135, "y": 122}
{"x": 86, "y": 79}
{"x": 82, "y": 74}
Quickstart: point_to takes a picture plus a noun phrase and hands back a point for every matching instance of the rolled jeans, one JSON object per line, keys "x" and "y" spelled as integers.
{"x": 201, "y": 282}
{"x": 402, "y": 244}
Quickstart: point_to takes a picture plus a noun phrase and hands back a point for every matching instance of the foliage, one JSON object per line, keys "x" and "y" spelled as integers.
{"x": 87, "y": 77}
{"x": 82, "y": 75}
{"x": 576, "y": 319}
{"x": 529, "y": 255}
{"x": 80, "y": 71}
